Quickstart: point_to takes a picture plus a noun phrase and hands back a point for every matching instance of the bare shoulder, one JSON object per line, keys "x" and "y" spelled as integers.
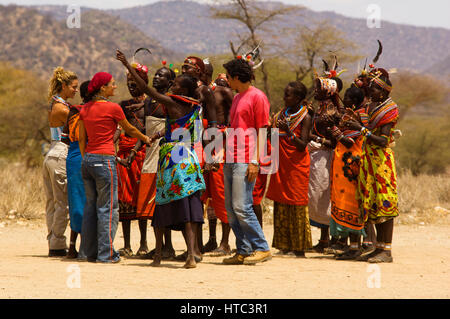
{"x": 223, "y": 91}
{"x": 59, "y": 108}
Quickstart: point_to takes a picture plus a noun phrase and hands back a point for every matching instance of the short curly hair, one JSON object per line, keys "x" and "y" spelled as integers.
{"x": 241, "y": 69}
{"x": 299, "y": 89}
{"x": 190, "y": 83}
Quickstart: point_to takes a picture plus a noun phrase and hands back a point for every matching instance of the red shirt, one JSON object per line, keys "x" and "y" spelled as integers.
{"x": 100, "y": 119}
{"x": 249, "y": 112}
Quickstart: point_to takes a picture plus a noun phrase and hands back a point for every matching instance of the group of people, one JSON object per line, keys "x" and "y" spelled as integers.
{"x": 145, "y": 159}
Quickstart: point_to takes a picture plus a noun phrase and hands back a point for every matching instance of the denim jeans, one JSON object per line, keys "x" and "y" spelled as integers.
{"x": 239, "y": 206}
{"x": 101, "y": 211}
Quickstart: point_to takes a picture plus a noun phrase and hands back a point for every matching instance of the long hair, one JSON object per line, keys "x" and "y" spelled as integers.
{"x": 60, "y": 77}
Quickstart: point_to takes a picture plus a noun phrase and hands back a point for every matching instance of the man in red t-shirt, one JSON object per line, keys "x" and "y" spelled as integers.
{"x": 249, "y": 112}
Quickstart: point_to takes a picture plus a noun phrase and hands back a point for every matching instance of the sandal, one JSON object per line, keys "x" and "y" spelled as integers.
{"x": 366, "y": 257}
{"x": 299, "y": 253}
{"x": 141, "y": 252}
{"x": 168, "y": 254}
{"x": 156, "y": 260}
{"x": 183, "y": 257}
{"x": 349, "y": 255}
{"x": 72, "y": 254}
{"x": 219, "y": 252}
{"x": 210, "y": 246}
{"x": 381, "y": 258}
{"x": 125, "y": 252}
{"x": 319, "y": 248}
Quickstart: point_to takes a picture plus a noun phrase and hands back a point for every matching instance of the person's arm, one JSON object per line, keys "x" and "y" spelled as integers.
{"x": 339, "y": 137}
{"x": 65, "y": 132}
{"x": 134, "y": 132}
{"x": 253, "y": 168}
{"x": 160, "y": 98}
{"x": 117, "y": 135}
{"x": 133, "y": 152}
{"x": 82, "y": 137}
{"x": 382, "y": 140}
{"x": 209, "y": 102}
{"x": 301, "y": 141}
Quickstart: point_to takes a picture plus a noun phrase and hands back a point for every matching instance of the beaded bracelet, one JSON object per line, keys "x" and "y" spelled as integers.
{"x": 365, "y": 132}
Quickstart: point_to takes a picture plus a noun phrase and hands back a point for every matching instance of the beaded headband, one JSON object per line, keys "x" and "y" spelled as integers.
{"x": 382, "y": 84}
{"x": 195, "y": 62}
{"x": 328, "y": 85}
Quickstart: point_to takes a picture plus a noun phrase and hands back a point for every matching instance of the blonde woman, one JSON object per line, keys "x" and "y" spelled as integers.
{"x": 63, "y": 86}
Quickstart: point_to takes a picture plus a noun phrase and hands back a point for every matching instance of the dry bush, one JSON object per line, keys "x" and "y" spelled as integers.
{"x": 22, "y": 194}
{"x": 422, "y": 199}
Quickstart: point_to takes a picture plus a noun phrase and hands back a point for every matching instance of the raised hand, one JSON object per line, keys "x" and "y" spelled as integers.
{"x": 121, "y": 57}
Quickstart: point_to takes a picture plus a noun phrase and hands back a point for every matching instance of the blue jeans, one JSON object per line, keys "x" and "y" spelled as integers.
{"x": 239, "y": 206}
{"x": 101, "y": 211}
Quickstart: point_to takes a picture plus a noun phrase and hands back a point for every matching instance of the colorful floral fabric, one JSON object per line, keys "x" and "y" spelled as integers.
{"x": 377, "y": 181}
{"x": 179, "y": 173}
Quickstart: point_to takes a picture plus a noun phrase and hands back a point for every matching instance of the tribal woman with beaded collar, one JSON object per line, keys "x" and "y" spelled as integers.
{"x": 179, "y": 178}
{"x": 346, "y": 220}
{"x": 377, "y": 179}
{"x": 288, "y": 186}
{"x": 321, "y": 149}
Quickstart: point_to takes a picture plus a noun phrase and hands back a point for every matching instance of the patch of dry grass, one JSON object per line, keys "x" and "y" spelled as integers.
{"x": 22, "y": 194}
{"x": 422, "y": 199}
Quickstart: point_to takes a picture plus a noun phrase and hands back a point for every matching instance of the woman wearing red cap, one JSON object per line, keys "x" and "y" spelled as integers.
{"x": 98, "y": 122}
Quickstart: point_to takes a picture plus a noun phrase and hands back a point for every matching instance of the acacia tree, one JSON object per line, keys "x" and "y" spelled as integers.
{"x": 253, "y": 15}
{"x": 304, "y": 47}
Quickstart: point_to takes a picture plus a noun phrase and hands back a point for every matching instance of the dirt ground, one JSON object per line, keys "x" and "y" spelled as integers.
{"x": 421, "y": 269}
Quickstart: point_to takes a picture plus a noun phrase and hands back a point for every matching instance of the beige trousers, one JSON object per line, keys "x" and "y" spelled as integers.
{"x": 55, "y": 186}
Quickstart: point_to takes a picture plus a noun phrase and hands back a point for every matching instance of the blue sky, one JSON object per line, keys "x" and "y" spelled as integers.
{"x": 431, "y": 13}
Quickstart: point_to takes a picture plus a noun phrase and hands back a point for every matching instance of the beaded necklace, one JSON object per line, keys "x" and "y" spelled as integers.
{"x": 288, "y": 116}
{"x": 100, "y": 97}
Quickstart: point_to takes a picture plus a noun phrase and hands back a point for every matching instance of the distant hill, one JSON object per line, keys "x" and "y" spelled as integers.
{"x": 441, "y": 69}
{"x": 38, "y": 42}
{"x": 186, "y": 26}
